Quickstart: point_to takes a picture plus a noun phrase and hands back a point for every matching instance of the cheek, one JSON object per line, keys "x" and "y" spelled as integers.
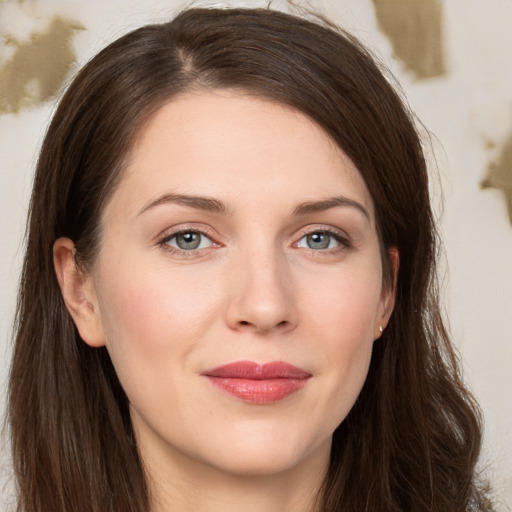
{"x": 346, "y": 304}
{"x": 151, "y": 322}
{"x": 141, "y": 298}
{"x": 344, "y": 321}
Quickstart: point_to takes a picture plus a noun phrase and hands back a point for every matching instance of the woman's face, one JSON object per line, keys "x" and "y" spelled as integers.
{"x": 238, "y": 286}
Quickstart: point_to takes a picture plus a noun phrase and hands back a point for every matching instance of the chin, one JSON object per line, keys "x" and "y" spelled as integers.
{"x": 260, "y": 455}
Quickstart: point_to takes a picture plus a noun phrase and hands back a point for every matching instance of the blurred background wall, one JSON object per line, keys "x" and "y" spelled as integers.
{"x": 453, "y": 61}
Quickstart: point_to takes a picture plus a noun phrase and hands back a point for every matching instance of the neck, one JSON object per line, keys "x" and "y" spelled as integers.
{"x": 185, "y": 485}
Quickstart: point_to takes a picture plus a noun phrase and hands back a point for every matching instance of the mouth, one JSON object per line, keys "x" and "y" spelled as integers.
{"x": 258, "y": 383}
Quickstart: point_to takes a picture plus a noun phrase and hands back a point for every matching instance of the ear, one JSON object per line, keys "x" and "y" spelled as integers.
{"x": 388, "y": 294}
{"x": 78, "y": 292}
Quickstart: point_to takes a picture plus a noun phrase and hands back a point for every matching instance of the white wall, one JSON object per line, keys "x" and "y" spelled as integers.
{"x": 465, "y": 108}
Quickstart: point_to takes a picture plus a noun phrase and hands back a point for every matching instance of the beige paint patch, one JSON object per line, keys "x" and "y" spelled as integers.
{"x": 499, "y": 174}
{"x": 37, "y": 69}
{"x": 415, "y": 29}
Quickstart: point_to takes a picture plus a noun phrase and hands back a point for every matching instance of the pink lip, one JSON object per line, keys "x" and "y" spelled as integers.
{"x": 258, "y": 383}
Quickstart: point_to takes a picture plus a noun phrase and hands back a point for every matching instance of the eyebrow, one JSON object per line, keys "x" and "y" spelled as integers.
{"x": 214, "y": 205}
{"x": 327, "y": 204}
{"x": 198, "y": 202}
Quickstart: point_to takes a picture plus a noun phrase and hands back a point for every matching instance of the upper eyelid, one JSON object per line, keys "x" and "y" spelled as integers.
{"x": 169, "y": 237}
{"x": 169, "y": 233}
{"x": 307, "y": 230}
{"x": 163, "y": 243}
{"x": 343, "y": 241}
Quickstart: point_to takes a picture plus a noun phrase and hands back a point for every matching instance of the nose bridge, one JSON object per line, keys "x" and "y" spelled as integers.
{"x": 262, "y": 297}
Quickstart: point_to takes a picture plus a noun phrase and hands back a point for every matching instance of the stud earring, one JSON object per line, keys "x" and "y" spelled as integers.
{"x": 380, "y": 328}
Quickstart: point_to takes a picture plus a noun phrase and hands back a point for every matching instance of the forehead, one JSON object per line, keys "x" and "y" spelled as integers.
{"x": 240, "y": 149}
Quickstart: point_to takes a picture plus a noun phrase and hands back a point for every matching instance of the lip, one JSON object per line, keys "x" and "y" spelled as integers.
{"x": 258, "y": 383}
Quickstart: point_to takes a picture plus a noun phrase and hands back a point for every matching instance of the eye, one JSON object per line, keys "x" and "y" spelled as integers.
{"x": 320, "y": 240}
{"x": 187, "y": 240}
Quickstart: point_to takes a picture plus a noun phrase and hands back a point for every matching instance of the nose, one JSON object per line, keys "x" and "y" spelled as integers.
{"x": 262, "y": 299}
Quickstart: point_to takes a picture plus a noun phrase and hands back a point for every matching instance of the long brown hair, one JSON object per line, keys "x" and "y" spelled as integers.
{"x": 412, "y": 439}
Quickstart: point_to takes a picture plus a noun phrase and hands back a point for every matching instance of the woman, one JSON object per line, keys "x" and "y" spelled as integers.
{"x": 229, "y": 300}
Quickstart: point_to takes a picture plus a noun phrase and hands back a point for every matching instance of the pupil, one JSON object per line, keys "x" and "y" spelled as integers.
{"x": 188, "y": 241}
{"x": 318, "y": 241}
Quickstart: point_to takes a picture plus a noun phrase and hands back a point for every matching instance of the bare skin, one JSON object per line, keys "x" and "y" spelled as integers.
{"x": 239, "y": 232}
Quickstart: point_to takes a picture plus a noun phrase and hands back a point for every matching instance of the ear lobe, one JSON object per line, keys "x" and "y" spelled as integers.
{"x": 388, "y": 294}
{"x": 78, "y": 292}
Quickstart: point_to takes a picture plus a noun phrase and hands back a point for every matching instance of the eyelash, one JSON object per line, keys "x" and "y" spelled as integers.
{"x": 164, "y": 242}
{"x": 343, "y": 241}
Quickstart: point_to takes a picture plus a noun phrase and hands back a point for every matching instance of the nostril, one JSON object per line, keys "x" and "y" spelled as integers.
{"x": 245, "y": 323}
